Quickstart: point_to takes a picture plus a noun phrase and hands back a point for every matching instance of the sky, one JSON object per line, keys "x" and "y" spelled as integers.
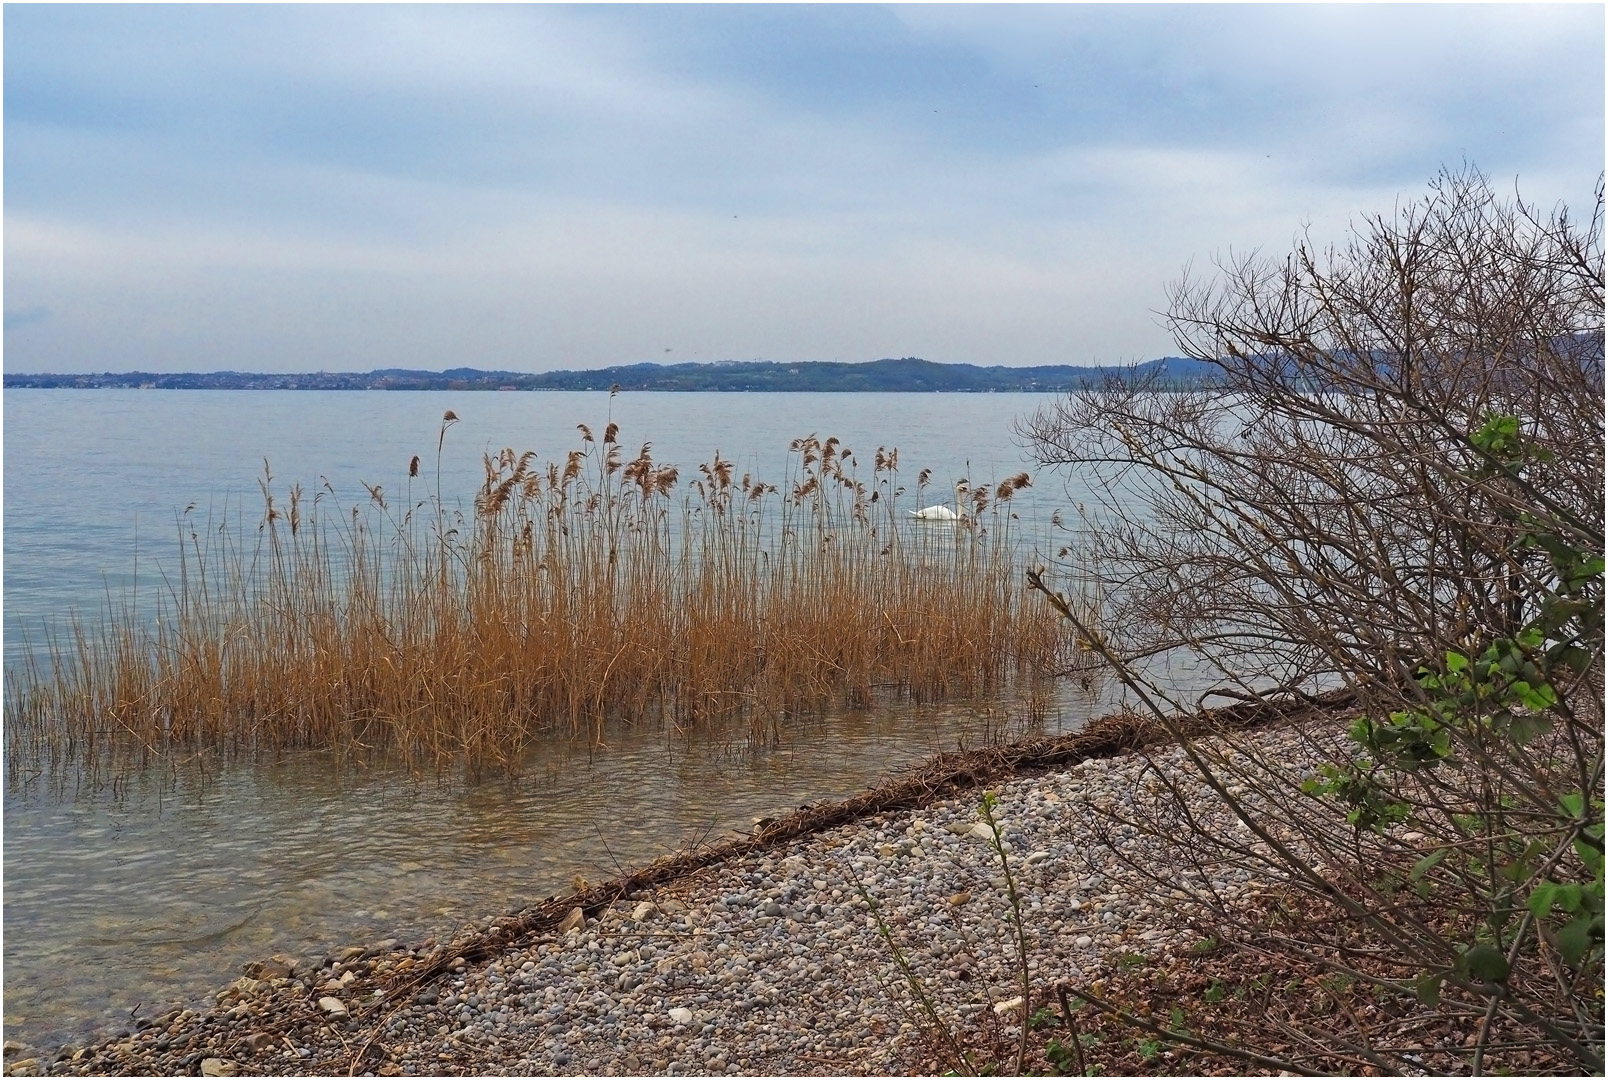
{"x": 342, "y": 188}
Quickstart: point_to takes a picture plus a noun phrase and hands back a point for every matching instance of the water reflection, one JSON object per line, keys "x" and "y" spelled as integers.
{"x": 159, "y": 886}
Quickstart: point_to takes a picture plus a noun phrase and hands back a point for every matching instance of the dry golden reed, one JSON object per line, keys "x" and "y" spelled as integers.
{"x": 576, "y": 593}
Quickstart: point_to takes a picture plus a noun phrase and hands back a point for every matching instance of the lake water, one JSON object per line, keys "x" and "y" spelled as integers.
{"x": 157, "y": 887}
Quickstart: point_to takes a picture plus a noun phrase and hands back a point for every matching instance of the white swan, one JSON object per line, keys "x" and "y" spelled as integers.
{"x": 943, "y": 513}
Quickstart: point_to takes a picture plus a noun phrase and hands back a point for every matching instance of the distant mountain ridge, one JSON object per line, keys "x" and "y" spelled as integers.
{"x": 909, "y": 375}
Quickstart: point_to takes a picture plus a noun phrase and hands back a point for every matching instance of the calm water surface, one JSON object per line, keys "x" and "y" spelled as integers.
{"x": 159, "y": 886}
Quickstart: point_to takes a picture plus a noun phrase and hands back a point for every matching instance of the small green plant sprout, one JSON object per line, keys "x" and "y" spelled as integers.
{"x": 1215, "y": 992}
{"x": 990, "y": 803}
{"x": 1060, "y": 1057}
{"x": 1149, "y": 1048}
{"x": 1480, "y": 963}
{"x": 1372, "y": 807}
{"x": 959, "y": 1058}
{"x": 1043, "y": 1018}
{"x": 1336, "y": 982}
{"x": 1421, "y": 868}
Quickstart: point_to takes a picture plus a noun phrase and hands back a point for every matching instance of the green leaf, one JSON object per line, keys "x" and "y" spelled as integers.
{"x": 1485, "y": 963}
{"x": 1426, "y": 864}
{"x": 1535, "y": 698}
{"x": 1573, "y": 657}
{"x": 1497, "y": 435}
{"x": 1456, "y": 662}
{"x": 1531, "y": 638}
{"x": 1429, "y": 989}
{"x": 1568, "y": 898}
{"x": 1520, "y": 868}
{"x": 1540, "y": 902}
{"x": 1591, "y": 856}
{"x": 1524, "y": 729}
{"x": 1574, "y": 939}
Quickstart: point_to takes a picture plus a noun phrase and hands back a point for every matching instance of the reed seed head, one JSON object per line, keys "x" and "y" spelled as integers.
{"x": 556, "y": 606}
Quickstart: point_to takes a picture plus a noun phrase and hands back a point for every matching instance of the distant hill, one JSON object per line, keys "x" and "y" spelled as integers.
{"x": 909, "y": 375}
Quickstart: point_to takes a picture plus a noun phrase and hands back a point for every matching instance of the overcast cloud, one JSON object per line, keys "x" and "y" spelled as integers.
{"x": 293, "y": 188}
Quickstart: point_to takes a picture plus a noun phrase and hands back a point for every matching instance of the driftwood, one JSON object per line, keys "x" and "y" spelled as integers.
{"x": 939, "y": 777}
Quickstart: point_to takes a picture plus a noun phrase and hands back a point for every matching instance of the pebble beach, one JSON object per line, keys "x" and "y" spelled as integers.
{"x": 802, "y": 959}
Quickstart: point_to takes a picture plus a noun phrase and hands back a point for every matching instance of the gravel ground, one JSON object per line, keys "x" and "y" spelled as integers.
{"x": 766, "y": 964}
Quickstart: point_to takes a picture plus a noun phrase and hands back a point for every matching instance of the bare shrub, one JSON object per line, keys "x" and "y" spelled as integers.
{"x": 1393, "y": 489}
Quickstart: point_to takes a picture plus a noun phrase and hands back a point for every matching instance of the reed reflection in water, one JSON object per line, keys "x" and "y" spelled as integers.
{"x": 161, "y": 884}
{"x": 572, "y": 596}
{"x": 137, "y": 885}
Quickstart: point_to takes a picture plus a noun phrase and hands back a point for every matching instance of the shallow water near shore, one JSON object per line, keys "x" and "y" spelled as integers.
{"x": 157, "y": 888}
{"x": 127, "y": 894}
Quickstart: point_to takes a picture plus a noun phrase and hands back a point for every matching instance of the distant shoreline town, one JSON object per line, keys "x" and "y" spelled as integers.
{"x": 910, "y": 375}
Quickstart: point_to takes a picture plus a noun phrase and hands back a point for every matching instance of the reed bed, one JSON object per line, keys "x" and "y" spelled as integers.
{"x": 574, "y": 594}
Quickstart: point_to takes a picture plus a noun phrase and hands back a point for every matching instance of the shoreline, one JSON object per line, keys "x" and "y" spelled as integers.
{"x": 380, "y": 1008}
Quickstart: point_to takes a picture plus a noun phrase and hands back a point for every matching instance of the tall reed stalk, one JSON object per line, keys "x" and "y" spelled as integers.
{"x": 591, "y": 590}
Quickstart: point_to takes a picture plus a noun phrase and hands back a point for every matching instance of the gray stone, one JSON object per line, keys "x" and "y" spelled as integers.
{"x": 381, "y": 947}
